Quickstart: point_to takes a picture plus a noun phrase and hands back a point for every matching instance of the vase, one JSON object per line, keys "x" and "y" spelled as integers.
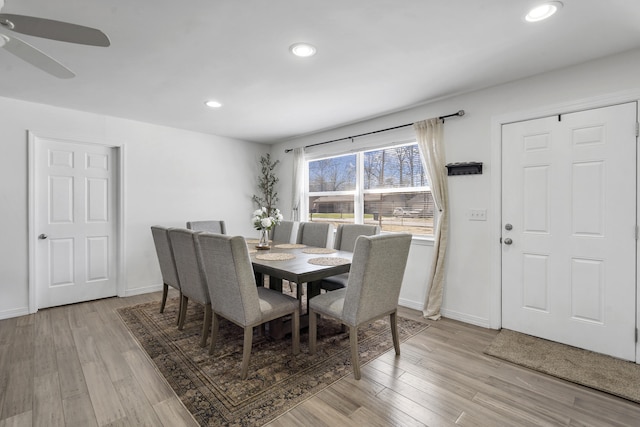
{"x": 264, "y": 240}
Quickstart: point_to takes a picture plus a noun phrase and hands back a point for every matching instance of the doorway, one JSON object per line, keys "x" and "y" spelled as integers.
{"x": 569, "y": 231}
{"x": 74, "y": 221}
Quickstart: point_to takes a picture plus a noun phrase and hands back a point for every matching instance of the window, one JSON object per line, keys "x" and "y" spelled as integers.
{"x": 386, "y": 186}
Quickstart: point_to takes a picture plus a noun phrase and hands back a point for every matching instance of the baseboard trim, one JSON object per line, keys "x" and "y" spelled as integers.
{"x": 16, "y": 312}
{"x": 466, "y": 318}
{"x": 142, "y": 290}
{"x": 410, "y": 304}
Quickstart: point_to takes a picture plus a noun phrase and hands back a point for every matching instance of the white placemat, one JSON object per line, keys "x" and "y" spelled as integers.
{"x": 319, "y": 251}
{"x": 290, "y": 246}
{"x": 275, "y": 257}
{"x": 329, "y": 261}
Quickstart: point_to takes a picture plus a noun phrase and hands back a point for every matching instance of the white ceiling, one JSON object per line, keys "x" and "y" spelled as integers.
{"x": 374, "y": 57}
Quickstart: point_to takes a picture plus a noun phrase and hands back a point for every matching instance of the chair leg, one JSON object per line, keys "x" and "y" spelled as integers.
{"x": 355, "y": 357}
{"x": 295, "y": 331}
{"x": 165, "y": 291}
{"x": 313, "y": 333}
{"x": 214, "y": 332}
{"x": 183, "y": 311}
{"x": 205, "y": 325}
{"x": 179, "y": 308}
{"x": 246, "y": 351}
{"x": 393, "y": 319}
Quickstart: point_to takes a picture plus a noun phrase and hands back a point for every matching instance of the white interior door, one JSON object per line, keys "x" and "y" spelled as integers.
{"x": 569, "y": 229}
{"x": 75, "y": 220}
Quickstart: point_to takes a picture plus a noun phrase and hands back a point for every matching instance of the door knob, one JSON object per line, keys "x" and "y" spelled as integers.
{"x": 508, "y": 241}
{"x": 42, "y": 236}
{"x": 508, "y": 227}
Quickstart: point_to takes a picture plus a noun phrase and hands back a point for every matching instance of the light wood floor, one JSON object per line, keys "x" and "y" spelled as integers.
{"x": 78, "y": 366}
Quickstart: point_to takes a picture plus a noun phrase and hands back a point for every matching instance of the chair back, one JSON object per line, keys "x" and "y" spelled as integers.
{"x": 315, "y": 234}
{"x": 165, "y": 256}
{"x": 283, "y": 232}
{"x": 376, "y": 276}
{"x": 230, "y": 277}
{"x": 213, "y": 226}
{"x": 346, "y": 235}
{"x": 188, "y": 265}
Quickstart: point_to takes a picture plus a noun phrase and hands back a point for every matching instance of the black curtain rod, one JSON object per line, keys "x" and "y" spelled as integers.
{"x": 460, "y": 113}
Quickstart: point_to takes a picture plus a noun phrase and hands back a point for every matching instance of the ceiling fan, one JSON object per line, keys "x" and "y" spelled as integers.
{"x": 49, "y": 29}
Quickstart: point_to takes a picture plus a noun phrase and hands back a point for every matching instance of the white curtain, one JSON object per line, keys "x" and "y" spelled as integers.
{"x": 429, "y": 135}
{"x": 298, "y": 183}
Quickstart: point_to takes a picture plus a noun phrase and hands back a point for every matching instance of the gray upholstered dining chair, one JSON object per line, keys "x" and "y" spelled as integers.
{"x": 345, "y": 240}
{"x": 191, "y": 275}
{"x": 283, "y": 232}
{"x": 319, "y": 234}
{"x": 376, "y": 275}
{"x": 212, "y": 226}
{"x": 167, "y": 263}
{"x": 230, "y": 278}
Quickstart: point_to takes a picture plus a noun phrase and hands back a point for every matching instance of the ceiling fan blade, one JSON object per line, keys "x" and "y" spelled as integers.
{"x": 35, "y": 57}
{"x": 55, "y": 30}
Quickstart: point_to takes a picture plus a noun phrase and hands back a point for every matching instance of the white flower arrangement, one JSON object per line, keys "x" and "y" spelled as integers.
{"x": 263, "y": 221}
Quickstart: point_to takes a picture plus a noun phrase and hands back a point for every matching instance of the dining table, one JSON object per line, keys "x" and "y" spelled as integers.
{"x": 297, "y": 264}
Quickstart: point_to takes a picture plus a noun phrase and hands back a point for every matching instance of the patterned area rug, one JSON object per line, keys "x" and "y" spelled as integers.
{"x": 210, "y": 386}
{"x": 598, "y": 371}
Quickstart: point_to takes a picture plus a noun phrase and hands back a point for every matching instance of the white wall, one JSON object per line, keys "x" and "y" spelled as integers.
{"x": 171, "y": 176}
{"x": 470, "y": 291}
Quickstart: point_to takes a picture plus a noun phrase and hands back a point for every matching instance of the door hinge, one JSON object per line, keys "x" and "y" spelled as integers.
{"x": 637, "y": 232}
{"x": 637, "y": 129}
{"x": 636, "y": 334}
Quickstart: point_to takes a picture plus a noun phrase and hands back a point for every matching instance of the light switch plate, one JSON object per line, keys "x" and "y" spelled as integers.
{"x": 477, "y": 214}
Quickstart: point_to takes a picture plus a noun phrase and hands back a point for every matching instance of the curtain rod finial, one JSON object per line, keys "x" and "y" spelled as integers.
{"x": 461, "y": 112}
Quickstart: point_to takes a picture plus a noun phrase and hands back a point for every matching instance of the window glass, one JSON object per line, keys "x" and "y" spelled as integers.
{"x": 336, "y": 209}
{"x": 333, "y": 174}
{"x": 332, "y": 182}
{"x": 411, "y": 212}
{"x": 391, "y": 187}
{"x": 396, "y": 167}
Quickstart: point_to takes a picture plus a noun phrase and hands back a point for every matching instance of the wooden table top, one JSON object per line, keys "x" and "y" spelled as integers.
{"x": 298, "y": 269}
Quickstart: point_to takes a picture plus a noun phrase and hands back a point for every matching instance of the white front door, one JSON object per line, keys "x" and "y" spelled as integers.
{"x": 569, "y": 229}
{"x": 75, "y": 222}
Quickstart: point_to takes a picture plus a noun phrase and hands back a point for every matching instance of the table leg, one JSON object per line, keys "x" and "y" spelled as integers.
{"x": 313, "y": 289}
{"x": 275, "y": 283}
{"x": 259, "y": 279}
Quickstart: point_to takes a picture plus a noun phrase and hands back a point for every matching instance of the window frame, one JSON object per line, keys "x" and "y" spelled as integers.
{"x": 359, "y": 192}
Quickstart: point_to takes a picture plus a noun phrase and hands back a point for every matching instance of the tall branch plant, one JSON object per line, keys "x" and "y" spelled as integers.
{"x": 267, "y": 181}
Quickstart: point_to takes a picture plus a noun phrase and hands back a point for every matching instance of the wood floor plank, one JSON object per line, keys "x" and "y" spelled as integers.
{"x": 85, "y": 345}
{"x": 104, "y": 398}
{"x": 321, "y": 414}
{"x": 70, "y": 374}
{"x": 367, "y": 394}
{"x": 20, "y": 420}
{"x": 19, "y": 396}
{"x": 153, "y": 384}
{"x": 438, "y": 402}
{"x": 135, "y": 403}
{"x": 172, "y": 412}
{"x": 47, "y": 402}
{"x": 78, "y": 410}
{"x": 7, "y": 330}
{"x": 44, "y": 351}
{"x": 62, "y": 335}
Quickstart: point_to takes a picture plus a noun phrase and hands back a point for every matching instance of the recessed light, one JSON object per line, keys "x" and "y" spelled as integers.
{"x": 543, "y": 11}
{"x": 213, "y": 104}
{"x": 302, "y": 50}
